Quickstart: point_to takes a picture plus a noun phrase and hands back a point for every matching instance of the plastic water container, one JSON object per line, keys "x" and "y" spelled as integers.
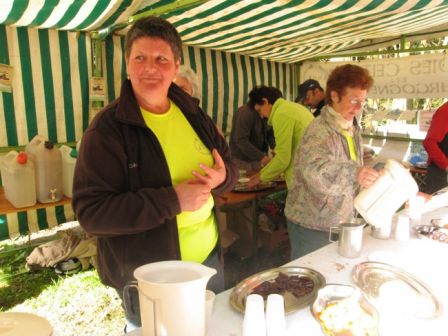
{"x": 18, "y": 179}
{"x": 69, "y": 156}
{"x": 47, "y": 161}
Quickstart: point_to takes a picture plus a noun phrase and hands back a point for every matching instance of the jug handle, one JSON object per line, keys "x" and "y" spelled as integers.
{"x": 133, "y": 284}
{"x": 334, "y": 228}
{"x": 126, "y": 296}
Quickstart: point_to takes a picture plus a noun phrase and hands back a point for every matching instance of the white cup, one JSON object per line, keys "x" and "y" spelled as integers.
{"x": 416, "y": 205}
{"x": 402, "y": 228}
{"x": 209, "y": 301}
{"x": 275, "y": 316}
{"x": 254, "y": 323}
{"x": 383, "y": 232}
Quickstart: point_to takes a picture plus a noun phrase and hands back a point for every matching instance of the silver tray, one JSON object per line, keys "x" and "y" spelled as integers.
{"x": 370, "y": 276}
{"x": 243, "y": 187}
{"x": 292, "y": 303}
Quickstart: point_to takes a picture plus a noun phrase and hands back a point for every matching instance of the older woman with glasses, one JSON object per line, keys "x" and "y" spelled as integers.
{"x": 328, "y": 167}
{"x": 188, "y": 81}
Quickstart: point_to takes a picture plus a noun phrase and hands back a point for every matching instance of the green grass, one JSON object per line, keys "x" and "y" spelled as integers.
{"x": 77, "y": 304}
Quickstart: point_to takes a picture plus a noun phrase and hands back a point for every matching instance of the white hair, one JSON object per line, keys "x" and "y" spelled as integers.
{"x": 188, "y": 73}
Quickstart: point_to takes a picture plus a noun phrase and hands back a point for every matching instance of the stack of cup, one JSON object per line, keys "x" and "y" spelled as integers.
{"x": 254, "y": 323}
{"x": 257, "y": 323}
{"x": 415, "y": 210}
{"x": 402, "y": 228}
{"x": 275, "y": 316}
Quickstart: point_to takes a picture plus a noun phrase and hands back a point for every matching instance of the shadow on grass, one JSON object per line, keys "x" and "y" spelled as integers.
{"x": 18, "y": 288}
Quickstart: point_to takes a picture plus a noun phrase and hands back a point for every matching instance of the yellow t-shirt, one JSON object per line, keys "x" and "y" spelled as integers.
{"x": 198, "y": 232}
{"x": 351, "y": 145}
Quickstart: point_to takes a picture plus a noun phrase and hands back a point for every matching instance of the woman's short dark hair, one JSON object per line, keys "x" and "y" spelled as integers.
{"x": 154, "y": 26}
{"x": 345, "y": 76}
{"x": 271, "y": 94}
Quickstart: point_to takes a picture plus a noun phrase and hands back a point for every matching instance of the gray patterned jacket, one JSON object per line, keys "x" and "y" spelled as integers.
{"x": 324, "y": 179}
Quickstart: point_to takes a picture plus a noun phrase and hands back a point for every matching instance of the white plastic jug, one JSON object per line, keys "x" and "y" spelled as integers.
{"x": 18, "y": 179}
{"x": 69, "y": 156}
{"x": 379, "y": 202}
{"x": 47, "y": 161}
{"x": 172, "y": 297}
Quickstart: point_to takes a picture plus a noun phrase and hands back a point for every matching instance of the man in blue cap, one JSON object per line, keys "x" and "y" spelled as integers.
{"x": 312, "y": 95}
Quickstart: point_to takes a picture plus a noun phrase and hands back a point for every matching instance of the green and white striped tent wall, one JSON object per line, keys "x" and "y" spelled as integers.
{"x": 50, "y": 93}
{"x": 13, "y": 225}
{"x": 50, "y": 87}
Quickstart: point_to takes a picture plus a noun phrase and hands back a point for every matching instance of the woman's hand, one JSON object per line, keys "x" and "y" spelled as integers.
{"x": 264, "y": 161}
{"x": 192, "y": 196}
{"x": 215, "y": 175}
{"x": 366, "y": 176}
{"x": 254, "y": 180}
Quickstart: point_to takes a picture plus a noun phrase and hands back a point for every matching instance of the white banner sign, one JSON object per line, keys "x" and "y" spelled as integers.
{"x": 420, "y": 76}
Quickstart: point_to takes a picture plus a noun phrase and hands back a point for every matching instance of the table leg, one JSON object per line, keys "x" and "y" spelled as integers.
{"x": 255, "y": 229}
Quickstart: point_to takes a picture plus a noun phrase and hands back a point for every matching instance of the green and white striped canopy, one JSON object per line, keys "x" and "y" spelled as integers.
{"x": 232, "y": 45}
{"x": 281, "y": 31}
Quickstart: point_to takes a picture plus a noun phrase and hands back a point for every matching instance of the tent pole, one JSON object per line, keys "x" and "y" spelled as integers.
{"x": 402, "y": 42}
{"x": 297, "y": 80}
{"x": 97, "y": 71}
{"x": 97, "y": 64}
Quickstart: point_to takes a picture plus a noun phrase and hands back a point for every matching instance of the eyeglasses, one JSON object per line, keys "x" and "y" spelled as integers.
{"x": 356, "y": 101}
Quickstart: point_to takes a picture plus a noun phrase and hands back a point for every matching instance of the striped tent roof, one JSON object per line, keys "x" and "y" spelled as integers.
{"x": 282, "y": 31}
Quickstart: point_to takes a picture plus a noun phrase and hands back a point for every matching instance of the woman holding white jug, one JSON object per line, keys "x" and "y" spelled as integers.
{"x": 328, "y": 168}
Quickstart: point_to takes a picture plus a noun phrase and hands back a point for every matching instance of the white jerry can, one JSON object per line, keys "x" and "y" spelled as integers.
{"x": 47, "y": 161}
{"x": 18, "y": 179}
{"x": 69, "y": 156}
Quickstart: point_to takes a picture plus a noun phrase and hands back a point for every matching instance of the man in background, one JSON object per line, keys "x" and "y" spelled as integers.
{"x": 312, "y": 95}
{"x": 250, "y": 139}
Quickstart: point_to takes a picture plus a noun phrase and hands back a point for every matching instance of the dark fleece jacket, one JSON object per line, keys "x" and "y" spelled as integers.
{"x": 122, "y": 191}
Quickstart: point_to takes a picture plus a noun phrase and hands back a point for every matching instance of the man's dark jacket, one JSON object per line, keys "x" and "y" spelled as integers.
{"x": 251, "y": 136}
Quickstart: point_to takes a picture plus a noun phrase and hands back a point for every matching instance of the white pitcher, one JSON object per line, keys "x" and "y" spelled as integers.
{"x": 172, "y": 297}
{"x": 379, "y": 202}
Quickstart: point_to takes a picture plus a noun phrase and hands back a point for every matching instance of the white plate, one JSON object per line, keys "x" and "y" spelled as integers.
{"x": 20, "y": 324}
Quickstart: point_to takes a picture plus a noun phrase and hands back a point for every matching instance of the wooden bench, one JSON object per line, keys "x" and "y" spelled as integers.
{"x": 22, "y": 221}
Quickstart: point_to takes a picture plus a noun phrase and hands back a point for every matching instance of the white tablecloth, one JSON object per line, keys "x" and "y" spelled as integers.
{"x": 425, "y": 259}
